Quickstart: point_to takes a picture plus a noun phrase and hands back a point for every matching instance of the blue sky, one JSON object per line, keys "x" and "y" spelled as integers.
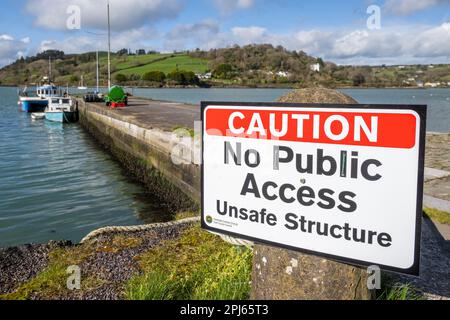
{"x": 411, "y": 31}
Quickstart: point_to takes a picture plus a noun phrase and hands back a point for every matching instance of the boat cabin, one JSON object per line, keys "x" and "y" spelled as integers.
{"x": 57, "y": 104}
{"x": 47, "y": 91}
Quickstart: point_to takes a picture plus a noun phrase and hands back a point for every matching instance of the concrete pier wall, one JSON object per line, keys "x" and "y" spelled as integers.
{"x": 145, "y": 153}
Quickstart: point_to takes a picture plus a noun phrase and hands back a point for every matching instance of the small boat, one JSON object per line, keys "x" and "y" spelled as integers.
{"x": 61, "y": 109}
{"x": 38, "y": 115}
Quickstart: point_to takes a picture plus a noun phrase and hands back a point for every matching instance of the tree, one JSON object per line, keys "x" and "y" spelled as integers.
{"x": 74, "y": 79}
{"x": 320, "y": 62}
{"x": 134, "y": 77}
{"x": 121, "y": 78}
{"x": 359, "y": 80}
{"x": 122, "y": 52}
{"x": 183, "y": 77}
{"x": 223, "y": 71}
{"x": 154, "y": 76}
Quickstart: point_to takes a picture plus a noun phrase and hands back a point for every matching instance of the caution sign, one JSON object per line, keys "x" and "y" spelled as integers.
{"x": 341, "y": 181}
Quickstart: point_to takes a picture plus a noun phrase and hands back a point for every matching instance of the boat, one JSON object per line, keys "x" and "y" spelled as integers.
{"x": 38, "y": 115}
{"x": 62, "y": 110}
{"x": 82, "y": 86}
{"x": 39, "y": 102}
{"x": 44, "y": 91}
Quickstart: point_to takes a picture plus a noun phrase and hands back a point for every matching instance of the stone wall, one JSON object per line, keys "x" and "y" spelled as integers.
{"x": 146, "y": 155}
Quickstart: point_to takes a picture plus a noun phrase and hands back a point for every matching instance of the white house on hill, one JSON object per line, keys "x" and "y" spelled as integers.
{"x": 315, "y": 67}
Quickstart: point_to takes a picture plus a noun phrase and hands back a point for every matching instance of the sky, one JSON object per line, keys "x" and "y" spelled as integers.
{"x": 351, "y": 32}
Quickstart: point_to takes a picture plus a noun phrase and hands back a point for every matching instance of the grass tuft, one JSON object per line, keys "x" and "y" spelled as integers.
{"x": 196, "y": 266}
{"x": 401, "y": 291}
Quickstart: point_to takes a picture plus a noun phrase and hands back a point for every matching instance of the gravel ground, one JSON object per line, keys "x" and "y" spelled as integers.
{"x": 111, "y": 264}
{"x": 117, "y": 268}
{"x": 434, "y": 279}
{"x": 20, "y": 264}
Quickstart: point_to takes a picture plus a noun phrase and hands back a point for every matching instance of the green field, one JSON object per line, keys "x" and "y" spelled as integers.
{"x": 164, "y": 63}
{"x": 126, "y": 62}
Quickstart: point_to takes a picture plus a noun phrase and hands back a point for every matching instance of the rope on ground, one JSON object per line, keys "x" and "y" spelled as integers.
{"x": 99, "y": 232}
{"x": 107, "y": 230}
{"x": 236, "y": 241}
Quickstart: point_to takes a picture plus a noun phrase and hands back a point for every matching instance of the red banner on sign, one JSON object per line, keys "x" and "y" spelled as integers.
{"x": 390, "y": 130}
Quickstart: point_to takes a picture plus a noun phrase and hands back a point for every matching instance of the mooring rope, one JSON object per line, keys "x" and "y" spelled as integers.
{"x": 107, "y": 230}
{"x": 146, "y": 227}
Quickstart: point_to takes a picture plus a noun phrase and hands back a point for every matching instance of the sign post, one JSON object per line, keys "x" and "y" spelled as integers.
{"x": 342, "y": 182}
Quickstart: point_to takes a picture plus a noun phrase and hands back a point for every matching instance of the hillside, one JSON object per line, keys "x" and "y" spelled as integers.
{"x": 68, "y": 69}
{"x": 248, "y": 66}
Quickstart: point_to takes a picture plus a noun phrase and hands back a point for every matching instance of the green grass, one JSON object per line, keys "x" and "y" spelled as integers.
{"x": 439, "y": 216}
{"x": 197, "y": 266}
{"x": 52, "y": 282}
{"x": 134, "y": 61}
{"x": 184, "y": 62}
{"x": 399, "y": 291}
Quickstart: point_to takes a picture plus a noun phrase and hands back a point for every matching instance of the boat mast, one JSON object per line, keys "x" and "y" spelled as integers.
{"x": 97, "y": 71}
{"x": 109, "y": 50}
{"x": 49, "y": 69}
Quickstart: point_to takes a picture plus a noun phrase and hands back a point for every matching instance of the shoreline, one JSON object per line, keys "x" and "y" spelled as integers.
{"x": 290, "y": 87}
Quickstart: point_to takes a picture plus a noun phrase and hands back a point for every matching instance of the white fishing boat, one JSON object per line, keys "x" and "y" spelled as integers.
{"x": 61, "y": 109}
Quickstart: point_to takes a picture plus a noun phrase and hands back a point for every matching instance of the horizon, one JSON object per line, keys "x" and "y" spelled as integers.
{"x": 357, "y": 32}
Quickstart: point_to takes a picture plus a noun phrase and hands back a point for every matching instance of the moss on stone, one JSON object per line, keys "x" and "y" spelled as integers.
{"x": 437, "y": 215}
{"x": 185, "y": 214}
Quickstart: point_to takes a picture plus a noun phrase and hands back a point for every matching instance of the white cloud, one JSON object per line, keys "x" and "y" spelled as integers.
{"x": 249, "y": 34}
{"x": 433, "y": 42}
{"x": 127, "y": 14}
{"x": 399, "y": 45}
{"x": 191, "y": 35}
{"x": 132, "y": 39}
{"x": 11, "y": 49}
{"x": 405, "y": 7}
{"x": 228, "y": 6}
{"x": 5, "y": 37}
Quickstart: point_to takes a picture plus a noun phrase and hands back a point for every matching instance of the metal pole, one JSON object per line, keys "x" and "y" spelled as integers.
{"x": 50, "y": 69}
{"x": 97, "y": 71}
{"x": 109, "y": 50}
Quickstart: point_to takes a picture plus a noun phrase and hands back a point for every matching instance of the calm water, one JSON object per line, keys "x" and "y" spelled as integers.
{"x": 56, "y": 184}
{"x": 438, "y": 100}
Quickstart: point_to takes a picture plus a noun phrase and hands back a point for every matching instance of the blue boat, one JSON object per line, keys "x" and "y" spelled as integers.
{"x": 62, "y": 110}
{"x": 39, "y": 102}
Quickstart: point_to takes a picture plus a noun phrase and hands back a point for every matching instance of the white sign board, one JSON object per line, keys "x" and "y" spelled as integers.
{"x": 343, "y": 182}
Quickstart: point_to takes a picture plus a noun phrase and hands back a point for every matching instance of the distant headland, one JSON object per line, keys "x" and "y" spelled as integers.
{"x": 252, "y": 66}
